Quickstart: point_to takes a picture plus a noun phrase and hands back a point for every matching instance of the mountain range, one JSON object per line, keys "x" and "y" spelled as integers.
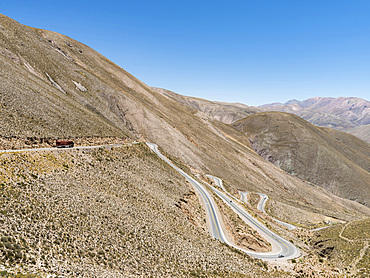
{"x": 347, "y": 114}
{"x": 124, "y": 212}
{"x": 332, "y": 159}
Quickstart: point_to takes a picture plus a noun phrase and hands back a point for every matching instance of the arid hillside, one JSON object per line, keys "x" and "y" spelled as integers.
{"x": 224, "y": 112}
{"x": 337, "y": 161}
{"x": 362, "y": 132}
{"x": 347, "y": 114}
{"x": 107, "y": 212}
{"x": 54, "y": 86}
{"x": 345, "y": 246}
{"x": 114, "y": 212}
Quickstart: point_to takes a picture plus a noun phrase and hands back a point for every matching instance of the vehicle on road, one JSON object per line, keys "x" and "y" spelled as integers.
{"x": 281, "y": 256}
{"x": 64, "y": 144}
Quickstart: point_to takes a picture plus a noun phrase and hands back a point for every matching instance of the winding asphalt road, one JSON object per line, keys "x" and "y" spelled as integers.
{"x": 280, "y": 246}
{"x": 261, "y": 207}
{"x": 244, "y": 196}
{"x": 216, "y": 230}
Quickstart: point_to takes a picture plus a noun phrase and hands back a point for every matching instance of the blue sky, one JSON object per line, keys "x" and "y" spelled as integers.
{"x": 254, "y": 52}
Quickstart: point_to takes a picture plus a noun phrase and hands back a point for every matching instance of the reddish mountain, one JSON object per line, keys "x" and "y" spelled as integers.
{"x": 347, "y": 114}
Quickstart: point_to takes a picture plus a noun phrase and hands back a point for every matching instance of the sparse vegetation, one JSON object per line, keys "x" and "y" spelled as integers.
{"x": 346, "y": 246}
{"x": 253, "y": 199}
{"x": 241, "y": 234}
{"x": 106, "y": 218}
{"x": 331, "y": 159}
{"x": 122, "y": 212}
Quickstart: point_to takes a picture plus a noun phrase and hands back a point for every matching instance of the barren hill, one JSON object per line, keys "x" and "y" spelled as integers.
{"x": 52, "y": 86}
{"x": 224, "y": 112}
{"x": 344, "y": 113}
{"x": 337, "y": 161}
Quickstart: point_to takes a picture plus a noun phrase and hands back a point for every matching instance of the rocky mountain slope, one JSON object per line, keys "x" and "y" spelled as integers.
{"x": 301, "y": 166}
{"x": 344, "y": 113}
{"x": 57, "y": 87}
{"x": 337, "y": 161}
{"x": 224, "y": 112}
{"x": 362, "y": 132}
{"x": 52, "y": 86}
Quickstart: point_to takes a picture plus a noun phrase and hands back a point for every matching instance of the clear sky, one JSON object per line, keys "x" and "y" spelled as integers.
{"x": 254, "y": 52}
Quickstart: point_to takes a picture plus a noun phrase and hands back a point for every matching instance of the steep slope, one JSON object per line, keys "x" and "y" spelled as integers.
{"x": 54, "y": 86}
{"x": 362, "y": 132}
{"x": 343, "y": 113}
{"x": 224, "y": 112}
{"x": 46, "y": 72}
{"x": 38, "y": 94}
{"x": 116, "y": 212}
{"x": 332, "y": 159}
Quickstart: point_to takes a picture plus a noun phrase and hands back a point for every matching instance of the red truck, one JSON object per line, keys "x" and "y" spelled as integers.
{"x": 64, "y": 144}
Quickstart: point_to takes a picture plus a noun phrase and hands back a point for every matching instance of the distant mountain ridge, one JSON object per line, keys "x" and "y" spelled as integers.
{"x": 347, "y": 114}
{"x": 221, "y": 111}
